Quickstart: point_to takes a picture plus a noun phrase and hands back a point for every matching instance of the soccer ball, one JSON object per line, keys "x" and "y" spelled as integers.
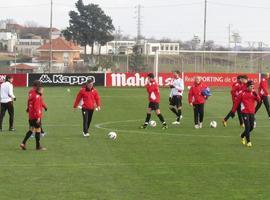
{"x": 112, "y": 135}
{"x": 153, "y": 123}
{"x": 68, "y": 90}
{"x": 213, "y": 124}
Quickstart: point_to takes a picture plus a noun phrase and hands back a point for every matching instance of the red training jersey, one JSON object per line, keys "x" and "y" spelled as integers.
{"x": 35, "y": 105}
{"x": 247, "y": 101}
{"x": 90, "y": 98}
{"x": 235, "y": 89}
{"x": 31, "y": 93}
{"x": 263, "y": 87}
{"x": 153, "y": 92}
{"x": 195, "y": 95}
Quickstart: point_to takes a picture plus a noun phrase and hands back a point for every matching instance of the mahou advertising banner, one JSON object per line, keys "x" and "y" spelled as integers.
{"x": 19, "y": 80}
{"x": 164, "y": 79}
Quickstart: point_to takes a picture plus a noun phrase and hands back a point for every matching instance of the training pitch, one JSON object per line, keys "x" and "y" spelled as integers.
{"x": 177, "y": 163}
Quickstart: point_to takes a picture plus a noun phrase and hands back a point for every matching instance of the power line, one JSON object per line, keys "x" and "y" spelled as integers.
{"x": 238, "y": 5}
{"x": 20, "y": 6}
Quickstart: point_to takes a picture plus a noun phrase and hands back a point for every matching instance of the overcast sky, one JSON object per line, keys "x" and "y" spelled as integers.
{"x": 176, "y": 19}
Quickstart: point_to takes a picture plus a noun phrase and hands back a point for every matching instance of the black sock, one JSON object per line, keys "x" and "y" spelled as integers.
{"x": 179, "y": 114}
{"x": 37, "y": 136}
{"x": 174, "y": 111}
{"x": 161, "y": 118}
{"x": 148, "y": 116}
{"x": 243, "y": 135}
{"x": 27, "y": 136}
{"x": 42, "y": 131}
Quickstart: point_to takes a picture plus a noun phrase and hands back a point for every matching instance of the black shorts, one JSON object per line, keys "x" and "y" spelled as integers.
{"x": 34, "y": 124}
{"x": 176, "y": 101}
{"x": 153, "y": 105}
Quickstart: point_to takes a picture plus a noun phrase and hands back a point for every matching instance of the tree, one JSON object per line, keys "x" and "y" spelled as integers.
{"x": 89, "y": 25}
{"x": 136, "y": 61}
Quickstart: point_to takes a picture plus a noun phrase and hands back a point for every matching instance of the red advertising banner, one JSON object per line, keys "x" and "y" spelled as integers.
{"x": 19, "y": 80}
{"x": 164, "y": 79}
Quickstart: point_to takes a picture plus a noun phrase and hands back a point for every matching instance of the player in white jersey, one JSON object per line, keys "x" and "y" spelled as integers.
{"x": 177, "y": 89}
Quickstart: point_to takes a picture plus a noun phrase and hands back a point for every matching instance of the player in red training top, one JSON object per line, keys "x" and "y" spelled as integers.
{"x": 198, "y": 93}
{"x": 154, "y": 99}
{"x": 264, "y": 94}
{"x": 90, "y": 99}
{"x": 35, "y": 107}
{"x": 31, "y": 92}
{"x": 247, "y": 100}
{"x": 236, "y": 90}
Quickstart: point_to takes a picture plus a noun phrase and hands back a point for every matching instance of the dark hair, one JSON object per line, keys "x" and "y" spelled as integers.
{"x": 264, "y": 75}
{"x": 249, "y": 83}
{"x": 36, "y": 83}
{"x": 239, "y": 77}
{"x": 244, "y": 77}
{"x": 8, "y": 77}
{"x": 151, "y": 75}
{"x": 177, "y": 72}
{"x": 90, "y": 80}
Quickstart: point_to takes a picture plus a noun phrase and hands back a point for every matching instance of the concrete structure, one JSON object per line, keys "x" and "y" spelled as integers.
{"x": 8, "y": 41}
{"x": 29, "y": 47}
{"x": 163, "y": 48}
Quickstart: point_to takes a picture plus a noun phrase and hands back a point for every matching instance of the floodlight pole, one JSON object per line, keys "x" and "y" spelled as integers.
{"x": 51, "y": 57}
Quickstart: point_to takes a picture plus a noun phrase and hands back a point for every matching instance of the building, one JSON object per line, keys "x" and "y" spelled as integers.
{"x": 8, "y": 41}
{"x": 64, "y": 53}
{"x": 162, "y": 48}
{"x": 29, "y": 47}
{"x": 112, "y": 47}
{"x": 22, "y": 68}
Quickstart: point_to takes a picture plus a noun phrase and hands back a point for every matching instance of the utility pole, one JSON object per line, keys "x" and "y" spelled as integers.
{"x": 51, "y": 56}
{"x": 204, "y": 34}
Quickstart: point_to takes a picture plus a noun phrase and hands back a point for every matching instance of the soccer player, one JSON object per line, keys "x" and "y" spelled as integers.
{"x": 35, "y": 116}
{"x": 247, "y": 100}
{"x": 264, "y": 94}
{"x": 31, "y": 93}
{"x": 90, "y": 98}
{"x": 198, "y": 93}
{"x": 177, "y": 89}
{"x": 235, "y": 89}
{"x": 154, "y": 98}
{"x": 7, "y": 98}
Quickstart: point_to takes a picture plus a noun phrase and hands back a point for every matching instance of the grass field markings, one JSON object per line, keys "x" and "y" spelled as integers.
{"x": 101, "y": 126}
{"x": 143, "y": 164}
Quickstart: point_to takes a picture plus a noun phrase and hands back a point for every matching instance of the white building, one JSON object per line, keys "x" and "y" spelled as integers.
{"x": 8, "y": 41}
{"x": 29, "y": 46}
{"x": 163, "y": 48}
{"x": 112, "y": 47}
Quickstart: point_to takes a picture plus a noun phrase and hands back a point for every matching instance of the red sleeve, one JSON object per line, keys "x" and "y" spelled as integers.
{"x": 37, "y": 107}
{"x": 97, "y": 98}
{"x": 78, "y": 99}
{"x": 264, "y": 86}
{"x": 236, "y": 103}
{"x": 190, "y": 95}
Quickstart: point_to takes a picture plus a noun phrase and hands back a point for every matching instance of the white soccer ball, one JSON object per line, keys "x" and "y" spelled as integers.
{"x": 112, "y": 135}
{"x": 68, "y": 90}
{"x": 153, "y": 123}
{"x": 213, "y": 124}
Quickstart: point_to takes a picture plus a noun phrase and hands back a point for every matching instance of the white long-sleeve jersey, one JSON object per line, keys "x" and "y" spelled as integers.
{"x": 178, "y": 87}
{"x": 6, "y": 92}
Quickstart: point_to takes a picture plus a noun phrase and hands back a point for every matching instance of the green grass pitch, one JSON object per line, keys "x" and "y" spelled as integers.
{"x": 178, "y": 163}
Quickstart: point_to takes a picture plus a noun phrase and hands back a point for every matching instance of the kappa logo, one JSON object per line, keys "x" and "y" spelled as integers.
{"x": 45, "y": 79}
{"x": 65, "y": 79}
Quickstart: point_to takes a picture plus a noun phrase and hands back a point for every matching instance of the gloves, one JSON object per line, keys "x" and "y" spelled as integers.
{"x": 46, "y": 109}
{"x": 27, "y": 110}
{"x": 14, "y": 99}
